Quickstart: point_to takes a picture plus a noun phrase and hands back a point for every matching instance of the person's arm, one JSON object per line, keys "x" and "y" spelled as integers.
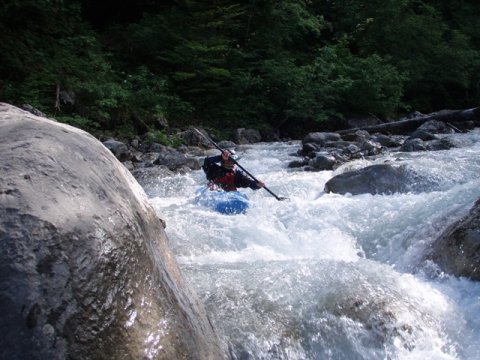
{"x": 209, "y": 161}
{"x": 241, "y": 180}
{"x": 256, "y": 185}
{"x": 210, "y": 166}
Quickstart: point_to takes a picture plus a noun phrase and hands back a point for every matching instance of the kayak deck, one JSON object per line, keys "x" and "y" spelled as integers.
{"x": 224, "y": 202}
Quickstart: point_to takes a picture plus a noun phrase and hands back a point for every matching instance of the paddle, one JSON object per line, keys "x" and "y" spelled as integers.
{"x": 279, "y": 198}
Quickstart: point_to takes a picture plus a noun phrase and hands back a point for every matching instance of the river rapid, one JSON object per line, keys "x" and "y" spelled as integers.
{"x": 327, "y": 276}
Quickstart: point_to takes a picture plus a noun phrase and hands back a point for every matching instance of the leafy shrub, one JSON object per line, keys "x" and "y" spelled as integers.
{"x": 160, "y": 137}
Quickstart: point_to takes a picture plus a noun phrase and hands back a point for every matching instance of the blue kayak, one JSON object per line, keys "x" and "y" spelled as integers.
{"x": 225, "y": 202}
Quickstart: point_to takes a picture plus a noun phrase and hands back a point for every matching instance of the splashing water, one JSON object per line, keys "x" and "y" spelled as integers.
{"x": 326, "y": 276}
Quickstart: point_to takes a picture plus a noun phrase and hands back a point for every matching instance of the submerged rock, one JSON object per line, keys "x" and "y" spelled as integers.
{"x": 457, "y": 250}
{"x": 86, "y": 271}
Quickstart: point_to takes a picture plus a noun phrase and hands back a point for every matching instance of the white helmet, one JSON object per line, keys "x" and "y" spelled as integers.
{"x": 233, "y": 154}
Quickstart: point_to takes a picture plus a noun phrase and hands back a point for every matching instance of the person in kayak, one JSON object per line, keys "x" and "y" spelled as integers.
{"x": 222, "y": 173}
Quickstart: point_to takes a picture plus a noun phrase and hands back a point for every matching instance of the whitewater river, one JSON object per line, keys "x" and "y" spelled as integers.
{"x": 325, "y": 276}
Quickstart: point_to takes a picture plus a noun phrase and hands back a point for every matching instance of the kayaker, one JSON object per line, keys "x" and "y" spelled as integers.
{"x": 222, "y": 173}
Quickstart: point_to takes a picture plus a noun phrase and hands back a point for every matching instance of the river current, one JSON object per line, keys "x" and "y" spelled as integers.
{"x": 327, "y": 276}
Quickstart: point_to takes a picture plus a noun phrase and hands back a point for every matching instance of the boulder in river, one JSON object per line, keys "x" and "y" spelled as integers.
{"x": 379, "y": 179}
{"x": 86, "y": 271}
{"x": 457, "y": 250}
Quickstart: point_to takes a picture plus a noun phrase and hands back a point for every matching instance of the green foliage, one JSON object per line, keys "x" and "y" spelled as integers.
{"x": 437, "y": 60}
{"x": 376, "y": 87}
{"x": 224, "y": 64}
{"x": 318, "y": 96}
{"x": 80, "y": 122}
{"x": 161, "y": 137}
{"x": 100, "y": 101}
{"x": 125, "y": 131}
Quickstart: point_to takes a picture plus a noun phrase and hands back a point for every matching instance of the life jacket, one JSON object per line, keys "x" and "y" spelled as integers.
{"x": 226, "y": 182}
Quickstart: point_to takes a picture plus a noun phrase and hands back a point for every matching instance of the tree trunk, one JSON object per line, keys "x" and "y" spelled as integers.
{"x": 404, "y": 127}
{"x": 57, "y": 98}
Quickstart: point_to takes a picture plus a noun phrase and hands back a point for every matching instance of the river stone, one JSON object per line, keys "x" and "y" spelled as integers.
{"x": 379, "y": 179}
{"x": 246, "y": 136}
{"x": 119, "y": 149}
{"x": 86, "y": 271}
{"x": 387, "y": 141}
{"x": 436, "y": 127}
{"x": 320, "y": 138}
{"x": 411, "y": 145}
{"x": 323, "y": 161}
{"x": 457, "y": 250}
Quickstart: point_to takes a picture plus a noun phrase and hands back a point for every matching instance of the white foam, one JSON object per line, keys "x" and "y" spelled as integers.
{"x": 316, "y": 247}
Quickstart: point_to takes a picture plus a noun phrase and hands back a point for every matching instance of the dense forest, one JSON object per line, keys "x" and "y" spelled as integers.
{"x": 128, "y": 67}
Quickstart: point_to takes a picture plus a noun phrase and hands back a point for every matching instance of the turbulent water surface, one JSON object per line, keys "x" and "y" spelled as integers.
{"x": 325, "y": 276}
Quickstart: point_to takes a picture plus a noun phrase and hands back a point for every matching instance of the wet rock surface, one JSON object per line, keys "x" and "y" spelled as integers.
{"x": 457, "y": 250}
{"x": 379, "y": 179}
{"x": 86, "y": 271}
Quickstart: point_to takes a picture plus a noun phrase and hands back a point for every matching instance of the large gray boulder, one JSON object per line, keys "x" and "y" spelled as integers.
{"x": 457, "y": 250}
{"x": 86, "y": 271}
{"x": 379, "y": 179}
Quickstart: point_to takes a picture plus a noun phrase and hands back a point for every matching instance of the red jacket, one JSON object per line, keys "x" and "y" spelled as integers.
{"x": 227, "y": 179}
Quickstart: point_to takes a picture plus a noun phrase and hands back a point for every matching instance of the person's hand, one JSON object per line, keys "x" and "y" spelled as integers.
{"x": 260, "y": 184}
{"x": 225, "y": 155}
